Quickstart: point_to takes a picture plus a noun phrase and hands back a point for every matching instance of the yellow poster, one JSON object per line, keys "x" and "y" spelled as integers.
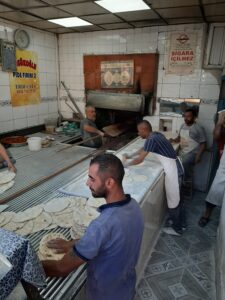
{"x": 24, "y": 83}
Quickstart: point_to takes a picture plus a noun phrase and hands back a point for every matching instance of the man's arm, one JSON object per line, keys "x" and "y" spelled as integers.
{"x": 137, "y": 160}
{"x": 64, "y": 266}
{"x": 202, "y": 148}
{"x": 218, "y": 127}
{"x": 176, "y": 140}
{"x": 91, "y": 129}
{"x": 5, "y": 156}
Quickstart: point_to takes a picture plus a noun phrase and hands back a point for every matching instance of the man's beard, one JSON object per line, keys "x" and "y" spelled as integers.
{"x": 101, "y": 193}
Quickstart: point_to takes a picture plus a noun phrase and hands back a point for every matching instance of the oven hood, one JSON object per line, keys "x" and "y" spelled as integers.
{"x": 116, "y": 101}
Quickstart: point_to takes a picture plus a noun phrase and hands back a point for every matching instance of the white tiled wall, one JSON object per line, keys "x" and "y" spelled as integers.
{"x": 204, "y": 84}
{"x": 45, "y": 45}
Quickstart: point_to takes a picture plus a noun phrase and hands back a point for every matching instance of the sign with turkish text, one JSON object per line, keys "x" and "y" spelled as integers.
{"x": 24, "y": 83}
{"x": 182, "y": 53}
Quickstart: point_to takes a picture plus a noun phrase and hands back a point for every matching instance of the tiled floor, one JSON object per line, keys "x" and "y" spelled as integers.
{"x": 183, "y": 267}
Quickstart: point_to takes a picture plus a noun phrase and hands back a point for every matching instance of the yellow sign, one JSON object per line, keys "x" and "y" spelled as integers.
{"x": 24, "y": 83}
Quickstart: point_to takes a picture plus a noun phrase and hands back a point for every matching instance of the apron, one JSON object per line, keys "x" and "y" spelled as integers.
{"x": 171, "y": 180}
{"x": 187, "y": 144}
{"x": 217, "y": 189}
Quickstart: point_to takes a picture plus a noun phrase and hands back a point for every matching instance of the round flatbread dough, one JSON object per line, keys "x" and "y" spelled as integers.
{"x": 63, "y": 220}
{"x": 48, "y": 253}
{"x": 28, "y": 214}
{"x": 5, "y": 217}
{"x": 6, "y": 176}
{"x": 56, "y": 205}
{"x": 26, "y": 229}
{"x": 11, "y": 226}
{"x": 96, "y": 202}
{"x": 41, "y": 222}
{"x": 6, "y": 186}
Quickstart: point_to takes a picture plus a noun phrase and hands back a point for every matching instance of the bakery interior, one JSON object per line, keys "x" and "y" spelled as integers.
{"x": 126, "y": 64}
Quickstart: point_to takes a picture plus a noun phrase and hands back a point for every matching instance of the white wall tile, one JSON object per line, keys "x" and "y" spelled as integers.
{"x": 171, "y": 90}
{"x": 6, "y": 126}
{"x": 6, "y": 113}
{"x": 19, "y": 112}
{"x": 43, "y": 108}
{"x": 5, "y": 92}
{"x": 32, "y": 121}
{"x": 210, "y": 91}
{"x": 4, "y": 78}
{"x": 32, "y": 110}
{"x": 189, "y": 91}
{"x": 20, "y": 123}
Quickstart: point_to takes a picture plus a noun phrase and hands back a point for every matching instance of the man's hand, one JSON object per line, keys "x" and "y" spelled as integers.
{"x": 60, "y": 245}
{"x": 11, "y": 167}
{"x": 101, "y": 133}
{"x": 221, "y": 118}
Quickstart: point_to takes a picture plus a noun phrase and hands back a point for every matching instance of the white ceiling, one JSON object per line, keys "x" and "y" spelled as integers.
{"x": 34, "y": 13}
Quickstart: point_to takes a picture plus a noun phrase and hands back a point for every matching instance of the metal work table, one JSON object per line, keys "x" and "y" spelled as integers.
{"x": 151, "y": 198}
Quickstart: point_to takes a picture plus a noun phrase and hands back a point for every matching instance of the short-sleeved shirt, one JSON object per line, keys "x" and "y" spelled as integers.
{"x": 95, "y": 143}
{"x": 196, "y": 132}
{"x": 111, "y": 247}
{"x": 157, "y": 143}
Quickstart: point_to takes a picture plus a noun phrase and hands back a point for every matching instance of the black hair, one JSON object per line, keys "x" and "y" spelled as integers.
{"x": 191, "y": 110}
{"x": 146, "y": 123}
{"x": 110, "y": 166}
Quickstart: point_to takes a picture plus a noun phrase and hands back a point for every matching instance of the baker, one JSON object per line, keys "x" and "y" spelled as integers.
{"x": 108, "y": 247}
{"x": 89, "y": 129}
{"x": 162, "y": 148}
{"x": 192, "y": 143}
{"x": 5, "y": 159}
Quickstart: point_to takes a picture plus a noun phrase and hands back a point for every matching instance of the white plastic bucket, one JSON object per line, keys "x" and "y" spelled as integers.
{"x": 34, "y": 143}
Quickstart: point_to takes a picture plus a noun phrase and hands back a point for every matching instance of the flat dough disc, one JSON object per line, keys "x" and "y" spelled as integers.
{"x": 26, "y": 229}
{"x": 56, "y": 205}
{"x": 6, "y": 176}
{"x": 6, "y": 186}
{"x": 48, "y": 253}
{"x": 11, "y": 226}
{"x": 28, "y": 214}
{"x": 96, "y": 202}
{"x": 64, "y": 220}
{"x": 41, "y": 222}
{"x": 5, "y": 217}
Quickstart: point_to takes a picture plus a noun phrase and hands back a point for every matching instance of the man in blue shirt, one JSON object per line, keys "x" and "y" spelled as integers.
{"x": 111, "y": 243}
{"x": 162, "y": 148}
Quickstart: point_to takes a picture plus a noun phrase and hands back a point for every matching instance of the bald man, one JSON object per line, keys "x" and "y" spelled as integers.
{"x": 89, "y": 129}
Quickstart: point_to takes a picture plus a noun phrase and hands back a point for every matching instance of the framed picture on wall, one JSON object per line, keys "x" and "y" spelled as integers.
{"x": 117, "y": 74}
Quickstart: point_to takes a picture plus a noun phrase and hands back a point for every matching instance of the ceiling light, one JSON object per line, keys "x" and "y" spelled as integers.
{"x": 70, "y": 22}
{"x": 116, "y": 6}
